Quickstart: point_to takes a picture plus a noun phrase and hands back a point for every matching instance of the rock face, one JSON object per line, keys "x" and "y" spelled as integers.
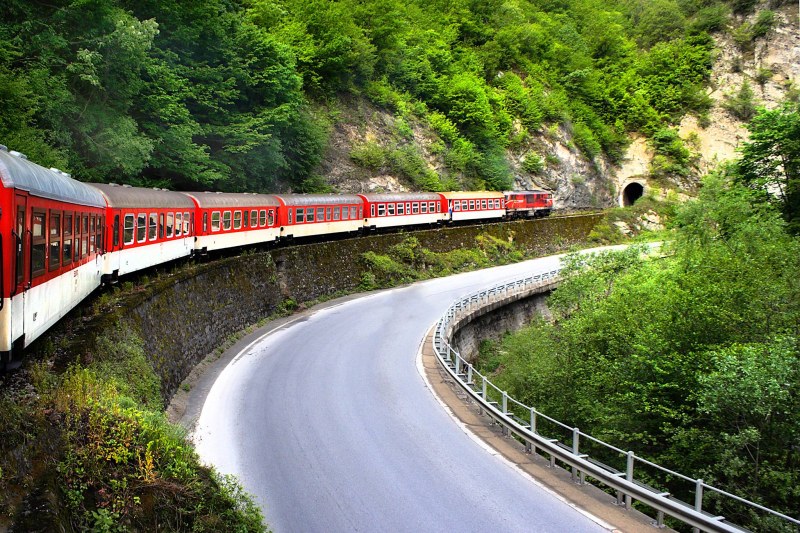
{"x": 771, "y": 66}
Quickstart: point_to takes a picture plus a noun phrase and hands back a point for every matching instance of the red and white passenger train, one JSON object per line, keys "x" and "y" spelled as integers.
{"x": 60, "y": 239}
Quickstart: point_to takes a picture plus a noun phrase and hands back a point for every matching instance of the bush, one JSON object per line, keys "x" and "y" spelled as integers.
{"x": 742, "y": 104}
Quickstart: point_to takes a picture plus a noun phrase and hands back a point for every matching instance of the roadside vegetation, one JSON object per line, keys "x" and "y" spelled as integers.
{"x": 691, "y": 360}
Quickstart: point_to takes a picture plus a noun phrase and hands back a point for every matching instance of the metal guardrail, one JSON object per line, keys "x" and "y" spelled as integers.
{"x": 526, "y": 422}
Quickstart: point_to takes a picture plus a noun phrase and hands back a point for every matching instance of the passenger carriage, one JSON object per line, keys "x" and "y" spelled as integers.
{"x": 475, "y": 205}
{"x": 304, "y": 215}
{"x": 147, "y": 227}
{"x": 51, "y": 238}
{"x": 385, "y": 210}
{"x": 227, "y": 220}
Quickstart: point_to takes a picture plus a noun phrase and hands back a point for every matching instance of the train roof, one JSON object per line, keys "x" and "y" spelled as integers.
{"x": 125, "y": 196}
{"x": 208, "y": 200}
{"x": 471, "y": 195}
{"x": 17, "y": 172}
{"x": 401, "y": 196}
{"x": 318, "y": 199}
{"x": 531, "y": 191}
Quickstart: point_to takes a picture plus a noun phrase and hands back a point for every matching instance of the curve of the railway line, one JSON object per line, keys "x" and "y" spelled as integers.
{"x": 329, "y": 422}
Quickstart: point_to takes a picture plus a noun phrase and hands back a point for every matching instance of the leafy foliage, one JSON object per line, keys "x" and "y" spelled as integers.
{"x": 690, "y": 360}
{"x": 222, "y": 94}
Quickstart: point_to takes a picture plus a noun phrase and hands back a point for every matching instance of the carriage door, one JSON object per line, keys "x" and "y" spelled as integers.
{"x": 21, "y": 245}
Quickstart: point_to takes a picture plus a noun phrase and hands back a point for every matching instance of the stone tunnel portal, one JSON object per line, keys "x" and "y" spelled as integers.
{"x": 631, "y": 193}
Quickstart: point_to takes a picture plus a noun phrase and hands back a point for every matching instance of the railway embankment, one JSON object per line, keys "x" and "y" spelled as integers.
{"x": 184, "y": 317}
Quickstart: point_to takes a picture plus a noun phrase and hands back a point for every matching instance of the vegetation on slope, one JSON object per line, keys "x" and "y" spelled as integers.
{"x": 692, "y": 360}
{"x": 240, "y": 94}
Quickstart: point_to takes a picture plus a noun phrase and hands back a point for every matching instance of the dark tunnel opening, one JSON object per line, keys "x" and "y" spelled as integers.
{"x": 632, "y": 192}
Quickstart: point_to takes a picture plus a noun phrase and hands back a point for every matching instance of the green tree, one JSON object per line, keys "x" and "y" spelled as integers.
{"x": 770, "y": 160}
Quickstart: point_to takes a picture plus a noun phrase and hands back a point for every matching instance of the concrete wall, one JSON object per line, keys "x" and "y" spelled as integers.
{"x": 187, "y": 315}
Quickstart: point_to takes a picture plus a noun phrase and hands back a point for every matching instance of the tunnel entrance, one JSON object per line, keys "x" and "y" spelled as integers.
{"x": 631, "y": 193}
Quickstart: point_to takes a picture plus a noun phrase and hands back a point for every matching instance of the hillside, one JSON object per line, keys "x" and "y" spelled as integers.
{"x": 577, "y": 96}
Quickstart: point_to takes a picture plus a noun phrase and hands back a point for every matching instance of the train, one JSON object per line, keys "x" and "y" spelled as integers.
{"x": 60, "y": 239}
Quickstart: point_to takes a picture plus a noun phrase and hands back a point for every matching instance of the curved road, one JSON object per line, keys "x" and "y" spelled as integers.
{"x": 330, "y": 424}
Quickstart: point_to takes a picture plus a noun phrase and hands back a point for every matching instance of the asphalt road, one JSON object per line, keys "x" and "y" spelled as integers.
{"x": 330, "y": 424}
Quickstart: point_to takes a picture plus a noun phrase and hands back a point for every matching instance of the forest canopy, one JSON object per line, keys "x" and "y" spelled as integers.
{"x": 242, "y": 94}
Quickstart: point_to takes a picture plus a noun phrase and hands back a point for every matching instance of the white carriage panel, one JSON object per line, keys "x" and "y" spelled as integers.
{"x": 11, "y": 321}
{"x": 138, "y": 258}
{"x": 222, "y": 240}
{"x": 405, "y": 220}
{"x": 477, "y": 215}
{"x": 45, "y": 304}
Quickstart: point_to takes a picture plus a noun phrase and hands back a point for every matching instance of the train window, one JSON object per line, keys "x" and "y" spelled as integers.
{"x": 246, "y": 215}
{"x": 456, "y": 206}
{"x": 424, "y": 206}
{"x": 390, "y": 209}
{"x": 55, "y": 240}
{"x": 345, "y": 213}
{"x": 320, "y": 214}
{"x": 127, "y": 230}
{"x": 301, "y": 215}
{"x": 262, "y": 218}
{"x": 401, "y": 209}
{"x": 472, "y": 205}
{"x": 226, "y": 220}
{"x": 153, "y": 231}
{"x": 381, "y": 210}
{"x": 85, "y": 236}
{"x": 432, "y": 207}
{"x": 99, "y": 234}
{"x": 310, "y": 214}
{"x": 170, "y": 224}
{"x": 408, "y": 208}
{"x": 77, "y": 242}
{"x": 254, "y": 218}
{"x": 214, "y": 221}
{"x": 187, "y": 223}
{"x": 179, "y": 224}
{"x": 415, "y": 207}
{"x": 66, "y": 245}
{"x": 354, "y": 213}
{"x": 161, "y": 226}
{"x": 92, "y": 227}
{"x": 38, "y": 249}
{"x": 372, "y": 210}
{"x": 271, "y": 218}
{"x": 237, "y": 220}
{"x": 335, "y": 213}
{"x": 483, "y": 204}
{"x": 141, "y": 227}
{"x": 289, "y": 213}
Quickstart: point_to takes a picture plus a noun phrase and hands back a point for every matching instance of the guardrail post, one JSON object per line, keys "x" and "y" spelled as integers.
{"x": 576, "y": 435}
{"x": 531, "y": 447}
{"x": 629, "y": 477}
{"x": 698, "y": 499}
{"x": 458, "y": 365}
{"x": 504, "y": 430}
{"x": 469, "y": 374}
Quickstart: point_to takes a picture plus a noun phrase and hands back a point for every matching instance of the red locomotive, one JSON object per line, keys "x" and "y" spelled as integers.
{"x": 60, "y": 239}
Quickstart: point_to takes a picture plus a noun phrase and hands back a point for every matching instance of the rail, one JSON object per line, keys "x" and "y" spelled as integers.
{"x": 526, "y": 423}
